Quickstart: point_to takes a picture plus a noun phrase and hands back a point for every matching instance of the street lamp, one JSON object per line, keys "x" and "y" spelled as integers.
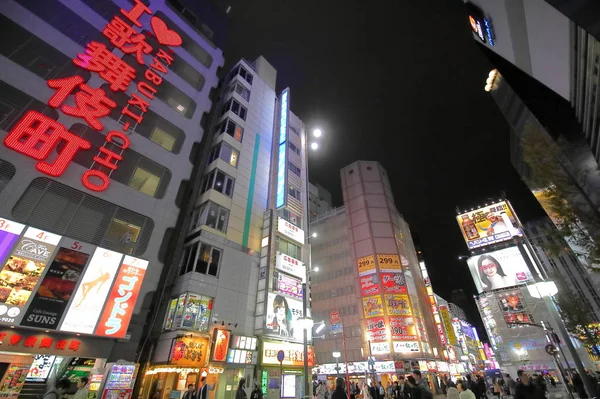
{"x": 314, "y": 235}
{"x": 314, "y": 146}
{"x": 337, "y": 355}
{"x": 317, "y": 133}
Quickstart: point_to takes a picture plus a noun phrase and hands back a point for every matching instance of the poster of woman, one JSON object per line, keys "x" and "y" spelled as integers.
{"x": 282, "y": 315}
{"x": 499, "y": 269}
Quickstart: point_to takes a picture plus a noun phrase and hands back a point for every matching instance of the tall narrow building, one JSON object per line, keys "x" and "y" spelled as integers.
{"x": 102, "y": 103}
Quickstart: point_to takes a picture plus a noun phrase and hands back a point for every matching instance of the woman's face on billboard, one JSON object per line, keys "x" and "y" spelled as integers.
{"x": 489, "y": 267}
{"x": 280, "y": 313}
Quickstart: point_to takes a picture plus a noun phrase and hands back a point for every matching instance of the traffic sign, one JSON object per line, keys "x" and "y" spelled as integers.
{"x": 280, "y": 356}
{"x": 334, "y": 317}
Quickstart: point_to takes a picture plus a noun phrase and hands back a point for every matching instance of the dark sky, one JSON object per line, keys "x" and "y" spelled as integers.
{"x": 400, "y": 83}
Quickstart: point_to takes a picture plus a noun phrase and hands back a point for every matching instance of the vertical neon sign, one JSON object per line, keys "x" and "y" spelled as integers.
{"x": 282, "y": 154}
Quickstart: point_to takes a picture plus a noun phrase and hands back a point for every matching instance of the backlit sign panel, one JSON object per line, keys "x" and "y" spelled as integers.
{"x": 480, "y": 24}
{"x": 87, "y": 304}
{"x": 281, "y": 193}
{"x": 294, "y": 354}
{"x": 489, "y": 225}
{"x": 290, "y": 230}
{"x": 499, "y": 269}
{"x": 221, "y": 345}
{"x": 37, "y": 135}
{"x": 290, "y": 265}
{"x": 122, "y": 299}
{"x": 380, "y": 348}
{"x": 22, "y": 270}
{"x": 406, "y": 347}
{"x": 288, "y": 285}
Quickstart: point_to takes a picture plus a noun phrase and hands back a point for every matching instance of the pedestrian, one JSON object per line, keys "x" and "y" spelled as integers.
{"x": 464, "y": 391}
{"x": 420, "y": 381}
{"x": 389, "y": 390}
{"x": 511, "y": 384}
{"x": 381, "y": 390}
{"x": 241, "y": 393}
{"x": 365, "y": 391}
{"x": 413, "y": 389}
{"x": 189, "y": 394}
{"x": 321, "y": 390}
{"x": 579, "y": 386}
{"x": 82, "y": 389}
{"x": 497, "y": 387}
{"x": 339, "y": 392}
{"x": 453, "y": 393}
{"x": 205, "y": 388}
{"x": 523, "y": 388}
{"x": 257, "y": 392}
{"x": 481, "y": 388}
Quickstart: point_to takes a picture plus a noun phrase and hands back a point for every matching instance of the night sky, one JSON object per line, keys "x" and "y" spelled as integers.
{"x": 400, "y": 83}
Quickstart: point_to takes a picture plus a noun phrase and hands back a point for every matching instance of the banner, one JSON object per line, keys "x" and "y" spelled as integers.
{"x": 90, "y": 297}
{"x": 403, "y": 328}
{"x": 376, "y": 330}
{"x": 389, "y": 263}
{"x": 366, "y": 265}
{"x": 287, "y": 285}
{"x": 282, "y": 316}
{"x": 369, "y": 285}
{"x": 499, "y": 269}
{"x": 121, "y": 301}
{"x": 397, "y": 305}
{"x": 22, "y": 271}
{"x": 380, "y": 348}
{"x": 488, "y": 225}
{"x": 372, "y": 306}
{"x": 290, "y": 265}
{"x": 447, "y": 321}
{"x": 293, "y": 354}
{"x": 406, "y": 347}
{"x": 393, "y": 283}
{"x": 57, "y": 286}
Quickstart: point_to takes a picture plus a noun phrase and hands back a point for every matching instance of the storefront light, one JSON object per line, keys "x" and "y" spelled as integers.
{"x": 173, "y": 370}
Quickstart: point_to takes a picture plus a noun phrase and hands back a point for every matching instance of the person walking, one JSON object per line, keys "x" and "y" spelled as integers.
{"x": 413, "y": 388}
{"x": 497, "y": 388}
{"x": 205, "y": 388}
{"x": 366, "y": 391}
{"x": 523, "y": 388}
{"x": 257, "y": 392}
{"x": 321, "y": 390}
{"x": 241, "y": 393}
{"x": 339, "y": 392}
{"x": 512, "y": 385}
{"x": 189, "y": 394}
{"x": 453, "y": 393}
{"x": 464, "y": 391}
{"x": 579, "y": 386}
{"x": 82, "y": 389}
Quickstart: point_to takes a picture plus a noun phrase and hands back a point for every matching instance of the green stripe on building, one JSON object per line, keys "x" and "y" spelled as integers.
{"x": 251, "y": 193}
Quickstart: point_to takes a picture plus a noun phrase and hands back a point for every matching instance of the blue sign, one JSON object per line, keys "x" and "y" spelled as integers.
{"x": 488, "y": 31}
{"x": 280, "y": 356}
{"x": 282, "y": 153}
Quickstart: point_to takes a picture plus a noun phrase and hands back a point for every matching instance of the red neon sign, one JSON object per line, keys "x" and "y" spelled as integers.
{"x": 37, "y": 135}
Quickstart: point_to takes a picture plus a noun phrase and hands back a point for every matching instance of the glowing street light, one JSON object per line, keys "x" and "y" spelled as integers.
{"x": 314, "y": 235}
{"x": 314, "y": 146}
{"x": 315, "y": 269}
{"x": 317, "y": 132}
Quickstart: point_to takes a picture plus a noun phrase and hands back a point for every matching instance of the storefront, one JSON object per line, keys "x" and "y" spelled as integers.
{"x": 241, "y": 361}
{"x": 285, "y": 377}
{"x": 358, "y": 372}
{"x": 29, "y": 358}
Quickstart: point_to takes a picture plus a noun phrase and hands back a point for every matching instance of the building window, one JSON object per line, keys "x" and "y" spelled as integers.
{"x": 225, "y": 152}
{"x": 294, "y": 192}
{"x": 243, "y": 72}
{"x": 188, "y": 44}
{"x": 288, "y": 248}
{"x": 190, "y": 312}
{"x": 200, "y": 258}
{"x": 293, "y": 129}
{"x": 228, "y": 126}
{"x": 234, "y": 106}
{"x": 211, "y": 215}
{"x": 218, "y": 181}
{"x": 291, "y": 217}
{"x": 53, "y": 206}
{"x": 294, "y": 169}
{"x": 7, "y": 171}
{"x": 293, "y": 147}
{"x": 240, "y": 89}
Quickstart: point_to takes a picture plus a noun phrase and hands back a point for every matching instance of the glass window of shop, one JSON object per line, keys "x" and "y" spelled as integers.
{"x": 189, "y": 311}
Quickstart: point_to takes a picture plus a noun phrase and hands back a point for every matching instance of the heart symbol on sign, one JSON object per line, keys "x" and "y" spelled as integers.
{"x": 15, "y": 339}
{"x": 164, "y": 35}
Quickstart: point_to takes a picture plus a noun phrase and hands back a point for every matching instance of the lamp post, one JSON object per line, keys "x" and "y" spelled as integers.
{"x": 337, "y": 355}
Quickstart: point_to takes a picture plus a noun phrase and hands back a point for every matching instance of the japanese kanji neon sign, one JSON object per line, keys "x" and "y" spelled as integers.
{"x": 37, "y": 135}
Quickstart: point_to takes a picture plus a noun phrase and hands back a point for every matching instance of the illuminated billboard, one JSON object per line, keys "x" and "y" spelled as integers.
{"x": 282, "y": 317}
{"x": 480, "y": 24}
{"x": 488, "y": 225}
{"x": 499, "y": 269}
{"x": 281, "y": 192}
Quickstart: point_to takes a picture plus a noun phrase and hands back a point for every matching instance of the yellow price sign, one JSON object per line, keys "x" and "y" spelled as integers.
{"x": 366, "y": 265}
{"x": 389, "y": 263}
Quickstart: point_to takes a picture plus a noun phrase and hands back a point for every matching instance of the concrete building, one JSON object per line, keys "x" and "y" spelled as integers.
{"x": 97, "y": 194}
{"x": 520, "y": 30}
{"x": 368, "y": 263}
{"x": 320, "y": 200}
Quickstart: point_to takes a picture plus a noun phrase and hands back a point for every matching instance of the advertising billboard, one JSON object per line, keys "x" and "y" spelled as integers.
{"x": 189, "y": 350}
{"x": 402, "y": 328}
{"x": 447, "y": 321}
{"x": 282, "y": 316}
{"x": 22, "y": 270}
{"x": 58, "y": 285}
{"x": 293, "y": 354}
{"x": 287, "y": 285}
{"x": 389, "y": 263}
{"x": 397, "y": 305}
{"x": 290, "y": 230}
{"x": 514, "y": 319}
{"x": 290, "y": 265}
{"x": 380, "y": 348}
{"x": 499, "y": 269}
{"x": 511, "y": 302}
{"x": 123, "y": 296}
{"x": 406, "y": 347}
{"x": 366, "y": 265}
{"x": 89, "y": 299}
{"x": 281, "y": 191}
{"x": 372, "y": 306}
{"x": 376, "y": 330}
{"x": 369, "y": 285}
{"x": 488, "y": 225}
{"x": 393, "y": 283}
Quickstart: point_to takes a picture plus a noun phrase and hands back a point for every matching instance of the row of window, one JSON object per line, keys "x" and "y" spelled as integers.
{"x": 211, "y": 215}
{"x": 293, "y": 147}
{"x": 242, "y": 72}
{"x": 295, "y": 192}
{"x": 240, "y": 89}
{"x": 218, "y": 181}
{"x": 231, "y": 128}
{"x": 348, "y": 290}
{"x": 189, "y": 311}
{"x": 295, "y": 170}
{"x": 349, "y": 310}
{"x": 225, "y": 152}
{"x": 288, "y": 248}
{"x": 331, "y": 274}
{"x": 234, "y": 106}
{"x": 200, "y": 258}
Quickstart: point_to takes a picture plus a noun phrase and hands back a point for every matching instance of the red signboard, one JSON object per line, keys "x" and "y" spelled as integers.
{"x": 393, "y": 283}
{"x": 38, "y": 136}
{"x": 119, "y": 307}
{"x": 334, "y": 317}
{"x": 376, "y": 331}
{"x": 369, "y": 285}
{"x": 221, "y": 346}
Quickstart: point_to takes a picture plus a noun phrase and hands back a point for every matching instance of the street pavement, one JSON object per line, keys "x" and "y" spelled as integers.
{"x": 553, "y": 393}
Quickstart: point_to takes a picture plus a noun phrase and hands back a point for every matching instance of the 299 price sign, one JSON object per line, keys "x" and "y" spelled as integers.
{"x": 366, "y": 265}
{"x": 389, "y": 263}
